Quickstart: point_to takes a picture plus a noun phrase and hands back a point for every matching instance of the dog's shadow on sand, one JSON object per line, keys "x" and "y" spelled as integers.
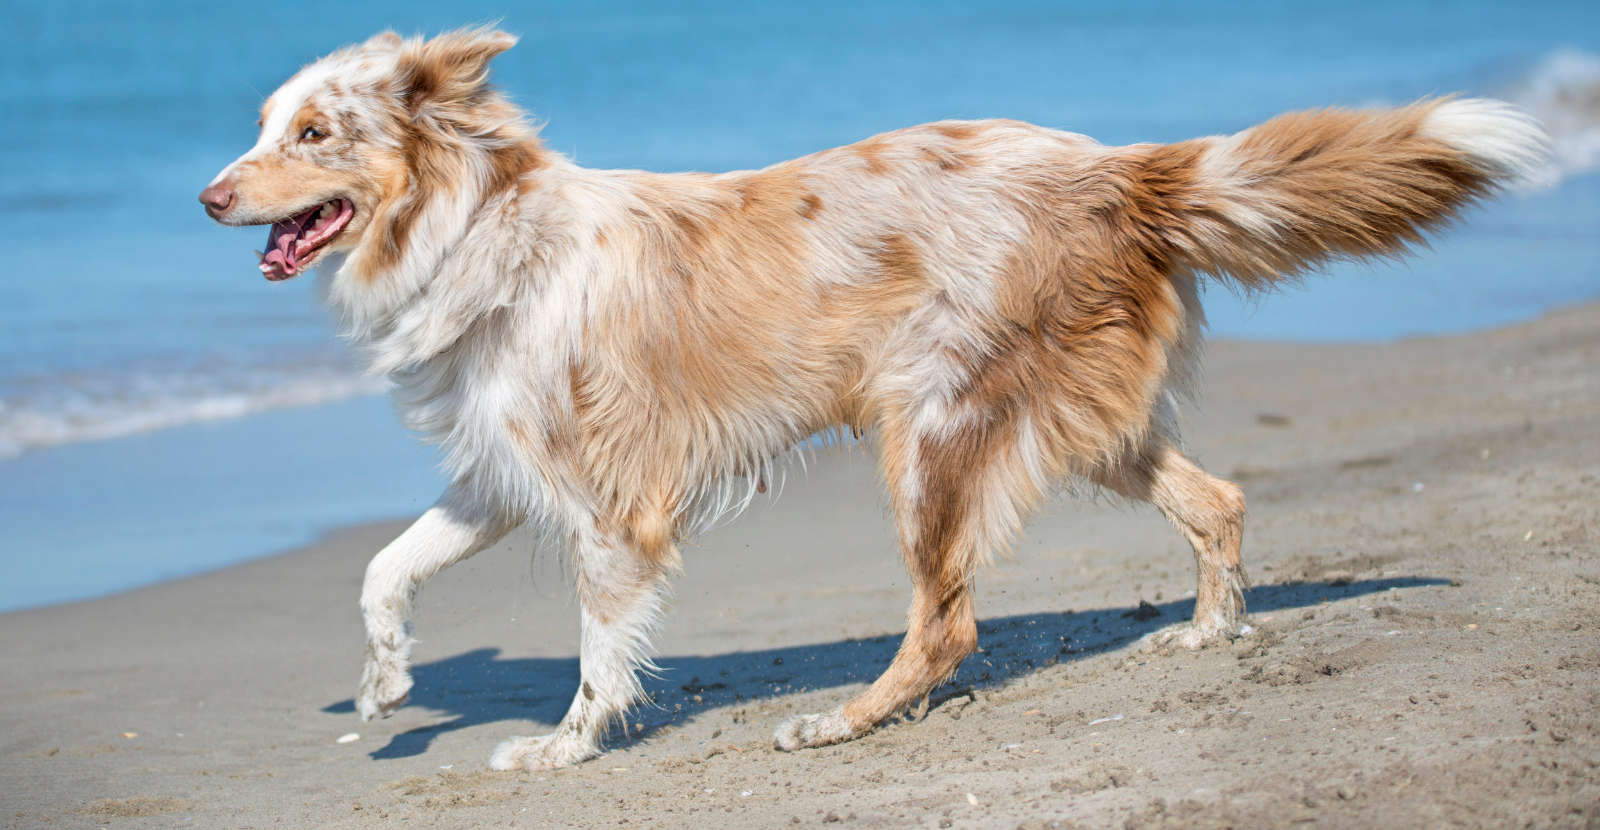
{"x": 478, "y": 687}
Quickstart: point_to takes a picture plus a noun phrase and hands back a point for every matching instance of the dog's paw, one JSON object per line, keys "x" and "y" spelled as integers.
{"x": 384, "y": 688}
{"x": 1192, "y": 636}
{"x": 542, "y": 753}
{"x": 803, "y": 731}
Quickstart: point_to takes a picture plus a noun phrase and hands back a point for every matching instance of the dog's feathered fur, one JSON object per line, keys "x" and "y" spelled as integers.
{"x": 998, "y": 307}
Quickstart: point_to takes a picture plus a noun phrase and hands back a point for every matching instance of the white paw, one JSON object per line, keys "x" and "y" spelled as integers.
{"x": 385, "y": 687}
{"x": 803, "y": 731}
{"x": 541, "y": 753}
{"x": 1192, "y": 636}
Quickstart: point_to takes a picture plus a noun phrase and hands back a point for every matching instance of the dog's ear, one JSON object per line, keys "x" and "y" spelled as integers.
{"x": 452, "y": 68}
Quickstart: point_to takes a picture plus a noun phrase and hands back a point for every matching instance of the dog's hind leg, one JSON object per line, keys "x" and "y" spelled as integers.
{"x": 958, "y": 492}
{"x": 621, "y": 584}
{"x": 1210, "y": 512}
{"x": 452, "y": 530}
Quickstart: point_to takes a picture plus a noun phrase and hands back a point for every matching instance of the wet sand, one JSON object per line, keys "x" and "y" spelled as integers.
{"x": 1423, "y": 534}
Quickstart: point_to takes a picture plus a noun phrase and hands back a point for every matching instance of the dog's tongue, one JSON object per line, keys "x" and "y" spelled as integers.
{"x": 278, "y": 263}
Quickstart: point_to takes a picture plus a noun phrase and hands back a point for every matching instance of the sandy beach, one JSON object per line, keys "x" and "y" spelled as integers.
{"x": 1423, "y": 533}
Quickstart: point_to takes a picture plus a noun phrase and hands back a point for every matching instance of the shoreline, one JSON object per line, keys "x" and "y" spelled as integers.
{"x": 1422, "y": 655}
{"x": 141, "y": 510}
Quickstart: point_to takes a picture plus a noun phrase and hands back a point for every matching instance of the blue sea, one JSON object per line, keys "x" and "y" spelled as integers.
{"x": 164, "y": 410}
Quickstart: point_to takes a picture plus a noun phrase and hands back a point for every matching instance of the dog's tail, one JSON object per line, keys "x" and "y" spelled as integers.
{"x": 1271, "y": 202}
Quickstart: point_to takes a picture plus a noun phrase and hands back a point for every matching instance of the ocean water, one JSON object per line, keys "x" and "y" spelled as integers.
{"x": 137, "y": 339}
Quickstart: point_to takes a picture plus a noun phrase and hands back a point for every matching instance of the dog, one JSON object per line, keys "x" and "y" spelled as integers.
{"x": 995, "y": 308}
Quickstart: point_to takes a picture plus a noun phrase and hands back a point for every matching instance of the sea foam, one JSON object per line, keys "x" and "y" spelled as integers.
{"x": 62, "y": 409}
{"x": 1563, "y": 91}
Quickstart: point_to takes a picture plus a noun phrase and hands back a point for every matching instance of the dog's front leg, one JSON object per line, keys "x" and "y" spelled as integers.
{"x": 449, "y": 532}
{"x": 620, "y": 589}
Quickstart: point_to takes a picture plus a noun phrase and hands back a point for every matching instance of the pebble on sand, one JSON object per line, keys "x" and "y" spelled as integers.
{"x": 344, "y": 739}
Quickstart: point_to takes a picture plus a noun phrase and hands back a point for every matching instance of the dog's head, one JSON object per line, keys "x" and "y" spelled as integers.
{"x": 354, "y": 148}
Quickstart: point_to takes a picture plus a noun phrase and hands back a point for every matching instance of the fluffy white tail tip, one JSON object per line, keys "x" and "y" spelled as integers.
{"x": 1503, "y": 140}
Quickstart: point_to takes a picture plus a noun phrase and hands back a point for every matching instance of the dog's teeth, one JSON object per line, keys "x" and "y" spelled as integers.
{"x": 259, "y": 255}
{"x": 327, "y": 210}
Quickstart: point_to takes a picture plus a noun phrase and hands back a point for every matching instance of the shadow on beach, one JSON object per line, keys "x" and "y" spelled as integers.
{"x": 478, "y": 687}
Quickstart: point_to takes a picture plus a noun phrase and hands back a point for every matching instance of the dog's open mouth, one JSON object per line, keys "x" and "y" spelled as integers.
{"x": 293, "y": 243}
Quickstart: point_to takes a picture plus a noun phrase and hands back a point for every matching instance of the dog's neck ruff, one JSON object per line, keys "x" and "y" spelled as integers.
{"x": 465, "y": 239}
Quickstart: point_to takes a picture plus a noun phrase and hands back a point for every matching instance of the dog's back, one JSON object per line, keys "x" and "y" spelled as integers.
{"x": 982, "y": 271}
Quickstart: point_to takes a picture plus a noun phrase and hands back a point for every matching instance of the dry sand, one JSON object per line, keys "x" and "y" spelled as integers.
{"x": 1423, "y": 532}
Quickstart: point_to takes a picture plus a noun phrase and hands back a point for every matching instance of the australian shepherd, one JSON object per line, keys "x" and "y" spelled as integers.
{"x": 995, "y": 308}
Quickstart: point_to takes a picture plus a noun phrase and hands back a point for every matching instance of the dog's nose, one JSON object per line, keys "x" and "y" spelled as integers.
{"x": 217, "y": 198}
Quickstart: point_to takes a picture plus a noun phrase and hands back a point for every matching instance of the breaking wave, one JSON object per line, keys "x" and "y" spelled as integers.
{"x": 40, "y": 412}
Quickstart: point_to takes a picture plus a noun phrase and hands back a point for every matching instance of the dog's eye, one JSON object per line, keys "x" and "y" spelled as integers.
{"x": 313, "y": 134}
